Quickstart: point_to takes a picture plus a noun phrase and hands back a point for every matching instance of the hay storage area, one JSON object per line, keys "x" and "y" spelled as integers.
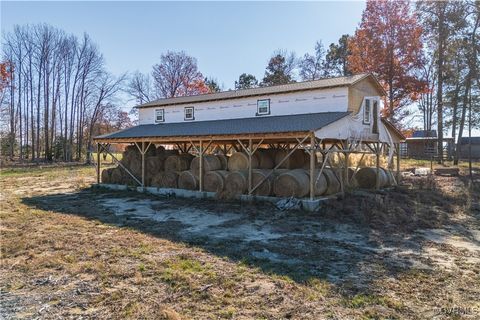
{"x": 228, "y": 174}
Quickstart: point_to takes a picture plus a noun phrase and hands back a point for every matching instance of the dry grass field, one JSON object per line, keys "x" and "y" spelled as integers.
{"x": 69, "y": 250}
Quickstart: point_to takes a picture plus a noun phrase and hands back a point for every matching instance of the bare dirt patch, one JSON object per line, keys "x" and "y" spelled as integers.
{"x": 73, "y": 251}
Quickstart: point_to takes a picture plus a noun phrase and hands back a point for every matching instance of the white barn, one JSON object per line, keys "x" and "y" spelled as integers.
{"x": 339, "y": 114}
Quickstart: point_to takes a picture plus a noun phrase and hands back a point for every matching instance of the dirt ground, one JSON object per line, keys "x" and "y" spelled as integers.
{"x": 69, "y": 250}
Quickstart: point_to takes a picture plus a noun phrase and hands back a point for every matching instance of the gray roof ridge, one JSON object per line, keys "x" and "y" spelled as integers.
{"x": 360, "y": 76}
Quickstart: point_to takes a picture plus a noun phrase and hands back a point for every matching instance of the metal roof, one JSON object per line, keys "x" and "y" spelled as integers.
{"x": 466, "y": 140}
{"x": 424, "y": 134}
{"x": 296, "y": 86}
{"x": 265, "y": 124}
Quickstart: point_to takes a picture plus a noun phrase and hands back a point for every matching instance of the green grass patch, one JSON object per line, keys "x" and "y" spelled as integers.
{"x": 187, "y": 273}
{"x": 365, "y": 300}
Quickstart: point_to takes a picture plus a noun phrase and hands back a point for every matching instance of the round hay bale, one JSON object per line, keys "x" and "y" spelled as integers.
{"x": 352, "y": 177}
{"x": 165, "y": 179}
{"x": 321, "y": 184}
{"x": 214, "y": 181}
{"x": 332, "y": 181}
{"x": 390, "y": 177}
{"x": 153, "y": 165}
{"x": 295, "y": 161}
{"x": 106, "y": 174}
{"x": 210, "y": 163}
{"x": 130, "y": 154}
{"x": 236, "y": 182}
{"x": 166, "y": 153}
{"x": 179, "y": 162}
{"x": 266, "y": 188}
{"x": 272, "y": 153}
{"x": 239, "y": 161}
{"x": 223, "y": 161}
{"x": 293, "y": 183}
{"x": 265, "y": 160}
{"x": 367, "y": 178}
{"x": 306, "y": 163}
{"x": 135, "y": 167}
{"x": 131, "y": 148}
{"x": 128, "y": 180}
{"x": 187, "y": 180}
{"x": 116, "y": 176}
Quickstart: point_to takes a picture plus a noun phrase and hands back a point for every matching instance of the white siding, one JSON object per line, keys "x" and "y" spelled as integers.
{"x": 322, "y": 100}
{"x": 352, "y": 127}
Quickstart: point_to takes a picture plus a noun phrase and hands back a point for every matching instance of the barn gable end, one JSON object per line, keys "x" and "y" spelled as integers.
{"x": 366, "y": 87}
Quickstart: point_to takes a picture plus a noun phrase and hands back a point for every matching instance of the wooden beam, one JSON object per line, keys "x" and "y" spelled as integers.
{"x": 200, "y": 178}
{"x": 122, "y": 166}
{"x": 398, "y": 162}
{"x": 278, "y": 165}
{"x": 312, "y": 165}
{"x": 143, "y": 164}
{"x": 346, "y": 155}
{"x": 98, "y": 163}
{"x": 377, "y": 164}
{"x": 250, "y": 154}
{"x": 336, "y": 175}
{"x": 356, "y": 168}
{"x": 194, "y": 147}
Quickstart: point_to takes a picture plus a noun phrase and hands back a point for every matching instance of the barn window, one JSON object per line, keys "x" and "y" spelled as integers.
{"x": 189, "y": 113}
{"x": 159, "y": 115}
{"x": 375, "y": 117}
{"x": 367, "y": 112}
{"x": 263, "y": 107}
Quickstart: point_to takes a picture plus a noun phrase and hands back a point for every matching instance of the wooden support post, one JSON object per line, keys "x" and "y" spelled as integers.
{"x": 312, "y": 166}
{"x": 143, "y": 164}
{"x": 397, "y": 147}
{"x": 98, "y": 163}
{"x": 347, "y": 182}
{"x": 200, "y": 178}
{"x": 377, "y": 164}
{"x": 250, "y": 147}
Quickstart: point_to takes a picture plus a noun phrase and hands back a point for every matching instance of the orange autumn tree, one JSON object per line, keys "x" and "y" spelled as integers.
{"x": 5, "y": 77}
{"x": 388, "y": 44}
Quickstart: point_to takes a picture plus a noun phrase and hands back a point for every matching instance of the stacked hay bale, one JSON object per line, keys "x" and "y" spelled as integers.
{"x": 296, "y": 183}
{"x": 188, "y": 180}
{"x": 367, "y": 178}
{"x": 215, "y": 181}
{"x": 236, "y": 182}
{"x": 267, "y": 185}
{"x": 169, "y": 169}
{"x": 333, "y": 181}
{"x": 296, "y": 160}
{"x": 107, "y": 175}
{"x": 213, "y": 167}
{"x": 210, "y": 163}
{"x": 174, "y": 163}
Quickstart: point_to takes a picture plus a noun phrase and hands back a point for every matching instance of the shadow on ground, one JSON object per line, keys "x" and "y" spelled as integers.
{"x": 352, "y": 241}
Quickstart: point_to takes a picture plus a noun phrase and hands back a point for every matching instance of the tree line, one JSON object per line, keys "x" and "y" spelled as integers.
{"x": 56, "y": 93}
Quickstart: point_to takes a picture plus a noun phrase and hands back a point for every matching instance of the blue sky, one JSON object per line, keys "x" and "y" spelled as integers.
{"x": 227, "y": 38}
